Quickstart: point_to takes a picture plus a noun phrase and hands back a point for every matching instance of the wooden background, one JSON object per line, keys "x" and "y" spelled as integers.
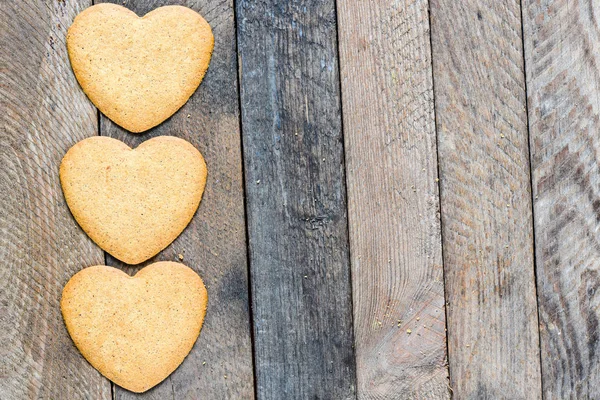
{"x": 403, "y": 201}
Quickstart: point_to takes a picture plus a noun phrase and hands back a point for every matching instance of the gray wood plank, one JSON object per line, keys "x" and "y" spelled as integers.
{"x": 214, "y": 244}
{"x": 296, "y": 205}
{"x": 44, "y": 112}
{"x": 562, "y": 53}
{"x": 479, "y": 88}
{"x": 393, "y": 200}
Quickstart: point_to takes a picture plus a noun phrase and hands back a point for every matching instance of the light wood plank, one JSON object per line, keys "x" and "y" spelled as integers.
{"x": 487, "y": 223}
{"x": 393, "y": 201}
{"x": 214, "y": 244}
{"x": 562, "y": 53}
{"x": 44, "y": 112}
{"x": 296, "y": 201}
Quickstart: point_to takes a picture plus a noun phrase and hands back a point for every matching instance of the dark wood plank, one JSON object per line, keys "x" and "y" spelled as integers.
{"x": 479, "y": 88}
{"x": 214, "y": 244}
{"x": 296, "y": 204}
{"x": 44, "y": 112}
{"x": 562, "y": 53}
{"x": 395, "y": 237}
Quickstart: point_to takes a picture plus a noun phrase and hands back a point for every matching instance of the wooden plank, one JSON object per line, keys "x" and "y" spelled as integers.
{"x": 44, "y": 112}
{"x": 395, "y": 237}
{"x": 479, "y": 88}
{"x": 562, "y": 53}
{"x": 214, "y": 244}
{"x": 296, "y": 203}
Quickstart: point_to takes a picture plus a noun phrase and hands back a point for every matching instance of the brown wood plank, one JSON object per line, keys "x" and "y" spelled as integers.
{"x": 479, "y": 88}
{"x": 296, "y": 204}
{"x": 214, "y": 244}
{"x": 562, "y": 53}
{"x": 393, "y": 200}
{"x": 44, "y": 112}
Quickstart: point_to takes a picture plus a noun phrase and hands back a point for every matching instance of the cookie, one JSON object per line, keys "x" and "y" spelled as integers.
{"x": 133, "y": 202}
{"x": 139, "y": 71}
{"x": 135, "y": 330}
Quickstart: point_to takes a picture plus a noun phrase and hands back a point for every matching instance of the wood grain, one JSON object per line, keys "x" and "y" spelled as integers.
{"x": 562, "y": 53}
{"x": 479, "y": 89}
{"x": 214, "y": 244}
{"x": 393, "y": 201}
{"x": 43, "y": 114}
{"x": 296, "y": 205}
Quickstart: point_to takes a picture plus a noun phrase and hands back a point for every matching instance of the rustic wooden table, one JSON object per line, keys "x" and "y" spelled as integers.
{"x": 403, "y": 201}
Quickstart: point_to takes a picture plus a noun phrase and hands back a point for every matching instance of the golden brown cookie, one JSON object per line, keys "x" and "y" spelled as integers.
{"x": 133, "y": 202}
{"x": 139, "y": 71}
{"x": 135, "y": 330}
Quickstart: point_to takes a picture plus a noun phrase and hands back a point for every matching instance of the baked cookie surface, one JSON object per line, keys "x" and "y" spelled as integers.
{"x": 133, "y": 202}
{"x": 139, "y": 70}
{"x": 135, "y": 330}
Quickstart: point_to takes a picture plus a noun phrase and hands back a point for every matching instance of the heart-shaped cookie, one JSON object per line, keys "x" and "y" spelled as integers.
{"x": 139, "y": 71}
{"x": 135, "y": 330}
{"x": 133, "y": 202}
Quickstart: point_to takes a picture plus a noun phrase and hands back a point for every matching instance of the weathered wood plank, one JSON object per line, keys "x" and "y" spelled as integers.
{"x": 479, "y": 88}
{"x": 296, "y": 204}
{"x": 44, "y": 112}
{"x": 562, "y": 53}
{"x": 214, "y": 244}
{"x": 393, "y": 201}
